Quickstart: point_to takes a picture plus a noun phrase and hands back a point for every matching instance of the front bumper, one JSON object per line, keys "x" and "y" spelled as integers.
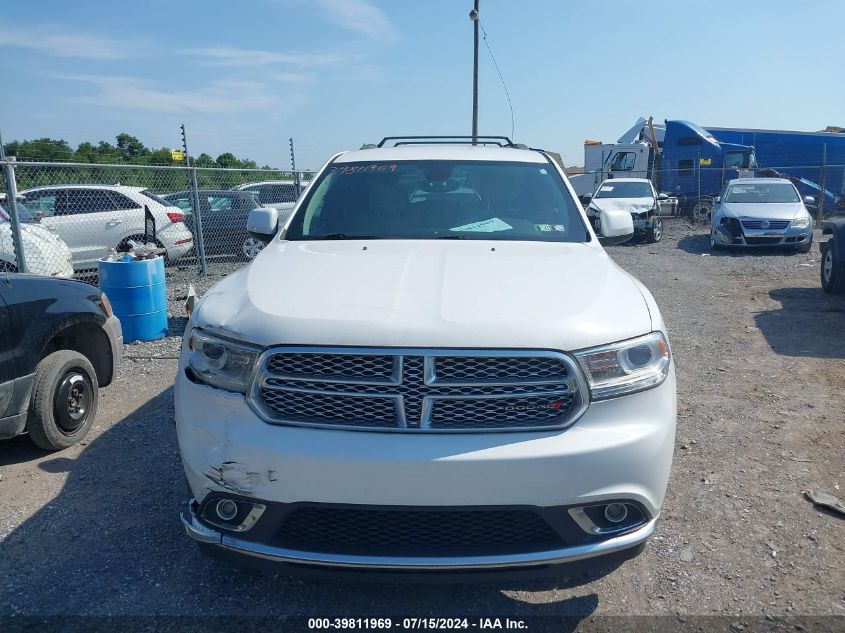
{"x": 730, "y": 235}
{"x": 620, "y": 449}
{"x": 233, "y": 547}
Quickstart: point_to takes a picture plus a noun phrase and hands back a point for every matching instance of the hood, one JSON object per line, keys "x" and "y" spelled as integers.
{"x": 631, "y": 205}
{"x": 770, "y": 211}
{"x": 31, "y": 234}
{"x": 423, "y": 293}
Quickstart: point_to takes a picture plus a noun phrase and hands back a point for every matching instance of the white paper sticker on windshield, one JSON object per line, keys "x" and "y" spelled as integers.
{"x": 485, "y": 226}
{"x": 606, "y": 188}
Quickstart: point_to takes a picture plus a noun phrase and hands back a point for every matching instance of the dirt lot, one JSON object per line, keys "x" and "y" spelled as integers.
{"x": 760, "y": 355}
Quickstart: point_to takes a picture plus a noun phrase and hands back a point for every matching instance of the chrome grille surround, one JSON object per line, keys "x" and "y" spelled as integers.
{"x": 756, "y": 224}
{"x": 418, "y": 389}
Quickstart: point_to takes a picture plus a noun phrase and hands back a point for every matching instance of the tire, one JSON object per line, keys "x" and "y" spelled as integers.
{"x": 64, "y": 400}
{"x": 714, "y": 245}
{"x": 832, "y": 271}
{"x": 702, "y": 210}
{"x": 655, "y": 233}
{"x": 250, "y": 248}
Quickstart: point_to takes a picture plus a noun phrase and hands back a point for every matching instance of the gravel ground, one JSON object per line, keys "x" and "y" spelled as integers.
{"x": 760, "y": 357}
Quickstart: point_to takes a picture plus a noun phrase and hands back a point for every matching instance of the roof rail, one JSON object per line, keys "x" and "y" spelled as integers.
{"x": 501, "y": 141}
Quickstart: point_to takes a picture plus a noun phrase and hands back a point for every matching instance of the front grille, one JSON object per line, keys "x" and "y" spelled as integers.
{"x": 419, "y": 390}
{"x": 772, "y": 225}
{"x": 416, "y": 532}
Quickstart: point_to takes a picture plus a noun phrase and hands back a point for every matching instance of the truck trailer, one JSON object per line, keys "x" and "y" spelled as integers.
{"x": 692, "y": 163}
{"x": 682, "y": 159}
{"x": 814, "y": 161}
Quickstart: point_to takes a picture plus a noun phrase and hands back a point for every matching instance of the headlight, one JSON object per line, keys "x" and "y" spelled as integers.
{"x": 801, "y": 222}
{"x": 220, "y": 362}
{"x": 626, "y": 367}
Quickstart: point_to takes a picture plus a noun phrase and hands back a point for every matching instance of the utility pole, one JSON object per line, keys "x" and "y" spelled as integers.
{"x": 293, "y": 168}
{"x": 473, "y": 15}
{"x": 199, "y": 238}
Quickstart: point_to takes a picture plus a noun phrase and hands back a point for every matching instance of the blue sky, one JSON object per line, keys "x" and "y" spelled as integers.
{"x": 245, "y": 75}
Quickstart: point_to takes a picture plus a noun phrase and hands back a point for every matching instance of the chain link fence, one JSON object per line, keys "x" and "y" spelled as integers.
{"x": 59, "y": 219}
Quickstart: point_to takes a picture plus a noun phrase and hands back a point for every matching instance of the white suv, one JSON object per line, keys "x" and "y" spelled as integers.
{"x": 93, "y": 218}
{"x": 433, "y": 366}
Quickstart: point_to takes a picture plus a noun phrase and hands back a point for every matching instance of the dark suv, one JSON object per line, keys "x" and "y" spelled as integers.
{"x": 59, "y": 343}
{"x": 224, "y": 214}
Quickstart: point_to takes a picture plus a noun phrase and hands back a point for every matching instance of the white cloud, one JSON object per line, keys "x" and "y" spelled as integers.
{"x": 359, "y": 16}
{"x": 295, "y": 78}
{"x": 231, "y": 56}
{"x": 60, "y": 42}
{"x": 220, "y": 96}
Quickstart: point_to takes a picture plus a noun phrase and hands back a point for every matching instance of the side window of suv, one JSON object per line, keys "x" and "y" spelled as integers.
{"x": 122, "y": 202}
{"x": 80, "y": 201}
{"x": 282, "y": 193}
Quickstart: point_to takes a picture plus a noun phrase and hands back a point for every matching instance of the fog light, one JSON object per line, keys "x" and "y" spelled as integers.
{"x": 613, "y": 512}
{"x": 227, "y": 509}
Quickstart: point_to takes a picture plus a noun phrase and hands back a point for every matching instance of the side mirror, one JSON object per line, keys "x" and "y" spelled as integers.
{"x": 662, "y": 196}
{"x": 809, "y": 200}
{"x": 614, "y": 226}
{"x": 585, "y": 199}
{"x": 262, "y": 223}
{"x": 717, "y": 199}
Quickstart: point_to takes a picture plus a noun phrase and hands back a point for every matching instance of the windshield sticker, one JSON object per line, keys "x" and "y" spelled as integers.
{"x": 550, "y": 228}
{"x": 485, "y": 226}
{"x": 346, "y": 170}
{"x": 606, "y": 188}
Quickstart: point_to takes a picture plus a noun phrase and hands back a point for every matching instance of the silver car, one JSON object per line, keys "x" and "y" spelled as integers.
{"x": 761, "y": 212}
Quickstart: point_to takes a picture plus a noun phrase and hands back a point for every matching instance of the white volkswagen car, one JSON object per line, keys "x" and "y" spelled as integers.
{"x": 432, "y": 367}
{"x": 45, "y": 252}
{"x": 91, "y": 219}
{"x": 761, "y": 212}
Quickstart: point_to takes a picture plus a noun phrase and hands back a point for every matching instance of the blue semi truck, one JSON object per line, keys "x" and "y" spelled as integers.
{"x": 692, "y": 163}
{"x": 679, "y": 157}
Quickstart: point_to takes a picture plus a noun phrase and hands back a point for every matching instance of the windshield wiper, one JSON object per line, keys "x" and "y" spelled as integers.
{"x": 451, "y": 237}
{"x": 345, "y": 236}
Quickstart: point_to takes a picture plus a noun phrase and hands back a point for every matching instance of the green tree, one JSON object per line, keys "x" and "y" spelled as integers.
{"x": 40, "y": 149}
{"x": 129, "y": 147}
{"x": 203, "y": 160}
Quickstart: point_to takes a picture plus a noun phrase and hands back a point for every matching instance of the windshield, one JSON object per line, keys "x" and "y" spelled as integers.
{"x": 615, "y": 189}
{"x": 738, "y": 160}
{"x": 753, "y": 193}
{"x": 439, "y": 199}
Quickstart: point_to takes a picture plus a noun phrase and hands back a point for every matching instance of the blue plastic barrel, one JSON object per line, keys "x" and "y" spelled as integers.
{"x": 138, "y": 296}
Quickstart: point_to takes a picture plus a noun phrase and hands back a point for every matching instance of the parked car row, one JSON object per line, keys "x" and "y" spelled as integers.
{"x": 67, "y": 228}
{"x": 749, "y": 212}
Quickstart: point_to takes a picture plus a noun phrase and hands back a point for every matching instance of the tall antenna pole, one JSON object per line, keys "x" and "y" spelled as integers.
{"x": 296, "y": 180}
{"x": 473, "y": 15}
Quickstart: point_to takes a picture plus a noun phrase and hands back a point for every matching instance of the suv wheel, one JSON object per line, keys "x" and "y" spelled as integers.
{"x": 832, "y": 270}
{"x": 64, "y": 400}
